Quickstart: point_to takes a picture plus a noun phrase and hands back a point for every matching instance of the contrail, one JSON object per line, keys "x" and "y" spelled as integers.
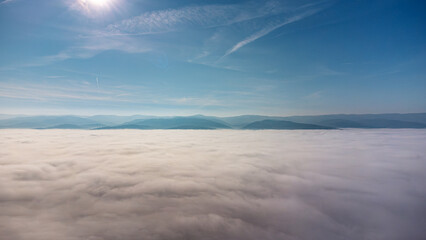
{"x": 97, "y": 81}
{"x": 268, "y": 29}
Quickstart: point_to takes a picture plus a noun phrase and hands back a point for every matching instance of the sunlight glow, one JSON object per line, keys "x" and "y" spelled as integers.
{"x": 91, "y": 6}
{"x": 96, "y": 8}
{"x": 100, "y": 3}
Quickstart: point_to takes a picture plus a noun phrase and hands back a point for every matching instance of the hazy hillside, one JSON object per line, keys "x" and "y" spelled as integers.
{"x": 408, "y": 117}
{"x": 243, "y": 120}
{"x": 48, "y": 121}
{"x": 126, "y": 126}
{"x": 387, "y": 123}
{"x": 170, "y": 123}
{"x": 64, "y": 126}
{"x": 8, "y": 116}
{"x": 281, "y": 124}
{"x": 342, "y": 123}
{"x": 411, "y": 120}
{"x": 111, "y": 120}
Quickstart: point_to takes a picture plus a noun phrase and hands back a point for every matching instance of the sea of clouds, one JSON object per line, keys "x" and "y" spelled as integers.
{"x": 212, "y": 184}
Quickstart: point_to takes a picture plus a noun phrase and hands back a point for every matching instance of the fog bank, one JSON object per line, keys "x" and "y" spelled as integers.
{"x": 222, "y": 184}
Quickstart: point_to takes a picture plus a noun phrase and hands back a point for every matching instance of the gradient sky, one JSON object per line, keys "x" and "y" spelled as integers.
{"x": 224, "y": 57}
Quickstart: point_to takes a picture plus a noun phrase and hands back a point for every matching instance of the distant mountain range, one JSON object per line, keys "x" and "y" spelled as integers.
{"x": 170, "y": 123}
{"x": 49, "y": 122}
{"x": 281, "y": 124}
{"x": 411, "y": 120}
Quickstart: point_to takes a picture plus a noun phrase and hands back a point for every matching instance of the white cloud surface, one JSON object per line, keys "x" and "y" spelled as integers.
{"x": 343, "y": 184}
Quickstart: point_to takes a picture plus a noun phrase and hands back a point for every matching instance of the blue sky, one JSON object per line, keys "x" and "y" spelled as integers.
{"x": 167, "y": 57}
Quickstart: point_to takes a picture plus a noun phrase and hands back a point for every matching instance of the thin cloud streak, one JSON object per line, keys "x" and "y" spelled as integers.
{"x": 85, "y": 92}
{"x": 55, "y": 93}
{"x": 89, "y": 47}
{"x": 200, "y": 102}
{"x": 209, "y": 16}
{"x": 268, "y": 29}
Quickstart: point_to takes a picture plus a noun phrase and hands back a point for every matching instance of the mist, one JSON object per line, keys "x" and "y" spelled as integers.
{"x": 221, "y": 184}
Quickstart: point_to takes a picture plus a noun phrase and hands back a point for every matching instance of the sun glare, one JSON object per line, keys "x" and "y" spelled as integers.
{"x": 96, "y": 8}
{"x": 99, "y": 3}
{"x": 94, "y": 5}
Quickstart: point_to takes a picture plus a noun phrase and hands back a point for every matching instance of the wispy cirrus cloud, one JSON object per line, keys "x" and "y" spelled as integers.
{"x": 128, "y": 35}
{"x": 88, "y": 47}
{"x": 92, "y": 92}
{"x": 193, "y": 17}
{"x": 269, "y": 27}
{"x": 48, "y": 92}
{"x": 197, "y": 101}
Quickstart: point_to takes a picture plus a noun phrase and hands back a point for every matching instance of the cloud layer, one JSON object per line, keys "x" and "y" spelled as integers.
{"x": 206, "y": 16}
{"x": 72, "y": 185}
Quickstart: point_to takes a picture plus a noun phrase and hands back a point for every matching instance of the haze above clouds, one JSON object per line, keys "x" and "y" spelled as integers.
{"x": 224, "y": 184}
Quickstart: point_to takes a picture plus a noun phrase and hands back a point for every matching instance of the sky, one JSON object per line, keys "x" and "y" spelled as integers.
{"x": 223, "y": 57}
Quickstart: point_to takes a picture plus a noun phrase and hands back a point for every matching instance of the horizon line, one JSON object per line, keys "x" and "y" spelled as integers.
{"x": 193, "y": 115}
